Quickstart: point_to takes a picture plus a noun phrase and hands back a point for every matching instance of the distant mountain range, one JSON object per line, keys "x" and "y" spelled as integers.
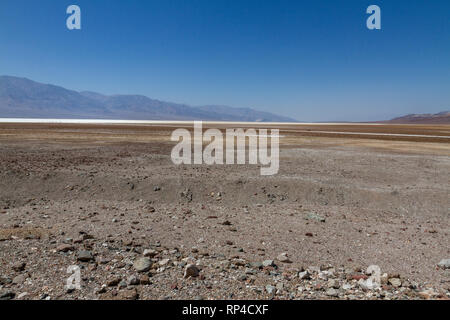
{"x": 24, "y": 98}
{"x": 426, "y": 118}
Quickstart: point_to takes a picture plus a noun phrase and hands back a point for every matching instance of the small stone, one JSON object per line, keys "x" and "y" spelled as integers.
{"x": 64, "y": 247}
{"x": 191, "y": 270}
{"x": 305, "y": 275}
{"x": 314, "y": 216}
{"x": 133, "y": 281}
{"x": 279, "y": 286}
{"x": 19, "y": 266}
{"x": 144, "y": 279}
{"x": 113, "y": 282}
{"x": 270, "y": 289}
{"x": 395, "y": 282}
{"x": 332, "y": 292}
{"x": 242, "y": 277}
{"x": 7, "y": 295}
{"x": 150, "y": 253}
{"x": 142, "y": 264}
{"x": 128, "y": 294}
{"x": 332, "y": 283}
{"x": 268, "y": 263}
{"x": 84, "y": 256}
{"x": 164, "y": 262}
{"x": 19, "y": 279}
{"x": 427, "y": 294}
{"x": 284, "y": 258}
{"x": 5, "y": 280}
{"x": 444, "y": 264}
{"x": 256, "y": 265}
{"x": 22, "y": 295}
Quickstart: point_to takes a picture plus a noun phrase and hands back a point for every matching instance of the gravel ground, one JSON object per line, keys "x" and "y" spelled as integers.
{"x": 139, "y": 227}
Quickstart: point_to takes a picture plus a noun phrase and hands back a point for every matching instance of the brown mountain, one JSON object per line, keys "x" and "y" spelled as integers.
{"x": 426, "y": 118}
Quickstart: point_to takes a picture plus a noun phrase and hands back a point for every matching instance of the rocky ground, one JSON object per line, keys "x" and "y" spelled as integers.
{"x": 139, "y": 227}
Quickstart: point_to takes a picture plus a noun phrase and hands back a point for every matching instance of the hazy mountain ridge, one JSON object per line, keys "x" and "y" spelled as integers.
{"x": 425, "y": 118}
{"x": 24, "y": 98}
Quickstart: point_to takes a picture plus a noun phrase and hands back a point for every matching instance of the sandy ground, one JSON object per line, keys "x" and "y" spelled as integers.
{"x": 112, "y": 190}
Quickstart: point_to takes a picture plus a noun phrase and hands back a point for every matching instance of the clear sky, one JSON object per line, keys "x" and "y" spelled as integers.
{"x": 311, "y": 60}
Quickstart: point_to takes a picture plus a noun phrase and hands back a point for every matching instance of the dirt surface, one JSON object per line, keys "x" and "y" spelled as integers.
{"x": 104, "y": 196}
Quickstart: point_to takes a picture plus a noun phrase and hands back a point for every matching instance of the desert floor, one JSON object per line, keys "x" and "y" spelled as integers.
{"x": 103, "y": 196}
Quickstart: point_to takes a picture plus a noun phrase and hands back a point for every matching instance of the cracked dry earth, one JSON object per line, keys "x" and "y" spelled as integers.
{"x": 134, "y": 222}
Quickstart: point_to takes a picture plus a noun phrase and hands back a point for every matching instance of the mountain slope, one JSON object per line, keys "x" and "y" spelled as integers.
{"x": 426, "y": 118}
{"x": 24, "y": 98}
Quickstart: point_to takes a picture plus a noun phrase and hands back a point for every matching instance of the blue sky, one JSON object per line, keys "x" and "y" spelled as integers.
{"x": 311, "y": 60}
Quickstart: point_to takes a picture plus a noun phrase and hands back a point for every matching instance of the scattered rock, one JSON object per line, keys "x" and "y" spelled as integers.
{"x": 284, "y": 258}
{"x": 19, "y": 279}
{"x": 85, "y": 256}
{"x": 332, "y": 292}
{"x": 19, "y": 266}
{"x": 314, "y": 216}
{"x": 395, "y": 282}
{"x": 64, "y": 247}
{"x": 133, "y": 281}
{"x": 142, "y": 264}
{"x": 113, "y": 282}
{"x": 150, "y": 253}
{"x": 128, "y": 294}
{"x": 191, "y": 270}
{"x": 7, "y": 295}
{"x": 270, "y": 289}
{"x": 444, "y": 264}
{"x": 268, "y": 263}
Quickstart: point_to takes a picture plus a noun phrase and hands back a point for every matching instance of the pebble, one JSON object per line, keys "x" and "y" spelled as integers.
{"x": 444, "y": 264}
{"x": 7, "y": 295}
{"x": 270, "y": 289}
{"x": 314, "y": 216}
{"x": 133, "y": 281}
{"x": 85, "y": 256}
{"x": 284, "y": 258}
{"x": 191, "y": 270}
{"x": 19, "y": 279}
{"x": 150, "y": 253}
{"x": 332, "y": 292}
{"x": 142, "y": 264}
{"x": 395, "y": 282}
{"x": 64, "y": 247}
{"x": 19, "y": 266}
{"x": 268, "y": 263}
